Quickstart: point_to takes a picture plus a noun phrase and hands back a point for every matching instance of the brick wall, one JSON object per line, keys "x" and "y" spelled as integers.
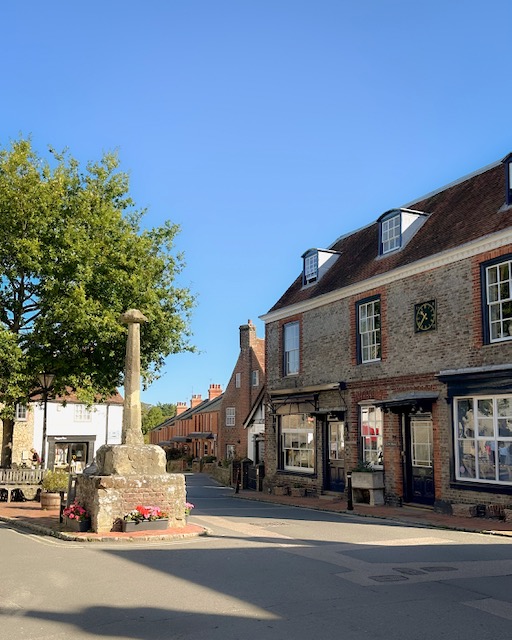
{"x": 410, "y": 361}
{"x": 109, "y": 498}
{"x": 251, "y": 358}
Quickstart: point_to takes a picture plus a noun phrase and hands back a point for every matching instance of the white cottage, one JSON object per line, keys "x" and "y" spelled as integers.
{"x": 74, "y": 432}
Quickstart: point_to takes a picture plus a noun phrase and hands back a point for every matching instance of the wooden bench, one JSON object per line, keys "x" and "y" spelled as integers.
{"x": 11, "y": 479}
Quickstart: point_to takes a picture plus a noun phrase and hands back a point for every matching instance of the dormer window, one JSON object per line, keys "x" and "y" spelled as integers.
{"x": 391, "y": 233}
{"x": 310, "y": 266}
{"x": 316, "y": 263}
{"x": 397, "y": 227}
{"x": 508, "y": 178}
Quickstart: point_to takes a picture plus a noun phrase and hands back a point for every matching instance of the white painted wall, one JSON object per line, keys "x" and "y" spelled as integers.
{"x": 105, "y": 422}
{"x": 256, "y": 427}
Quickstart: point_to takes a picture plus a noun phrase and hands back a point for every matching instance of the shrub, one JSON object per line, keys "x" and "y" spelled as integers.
{"x": 55, "y": 481}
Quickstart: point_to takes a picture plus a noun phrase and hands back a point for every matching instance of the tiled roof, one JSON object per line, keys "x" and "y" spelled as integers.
{"x": 468, "y": 210}
{"x": 203, "y": 407}
{"x": 71, "y": 397}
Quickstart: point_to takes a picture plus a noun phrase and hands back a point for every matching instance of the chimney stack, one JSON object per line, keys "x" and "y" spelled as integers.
{"x": 247, "y": 335}
{"x": 181, "y": 407}
{"x": 196, "y": 399}
{"x": 214, "y": 391}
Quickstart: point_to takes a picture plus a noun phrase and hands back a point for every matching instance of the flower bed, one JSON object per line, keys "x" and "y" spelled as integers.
{"x": 76, "y": 517}
{"x": 145, "y": 525}
{"x": 144, "y": 518}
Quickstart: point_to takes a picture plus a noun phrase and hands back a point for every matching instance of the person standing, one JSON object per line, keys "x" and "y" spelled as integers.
{"x": 36, "y": 459}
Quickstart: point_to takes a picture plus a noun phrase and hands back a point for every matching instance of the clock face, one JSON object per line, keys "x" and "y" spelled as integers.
{"x": 425, "y": 316}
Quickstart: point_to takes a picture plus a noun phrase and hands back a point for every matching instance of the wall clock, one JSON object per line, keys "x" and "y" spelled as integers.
{"x": 425, "y": 316}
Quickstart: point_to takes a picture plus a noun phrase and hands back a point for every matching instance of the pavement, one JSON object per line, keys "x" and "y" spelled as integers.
{"x": 29, "y": 515}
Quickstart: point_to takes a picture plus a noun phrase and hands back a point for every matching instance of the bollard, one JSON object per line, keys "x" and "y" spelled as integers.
{"x": 350, "y": 502}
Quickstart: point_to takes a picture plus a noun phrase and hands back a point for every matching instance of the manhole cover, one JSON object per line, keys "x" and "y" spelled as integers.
{"x": 433, "y": 569}
{"x": 409, "y": 572}
{"x": 390, "y": 578}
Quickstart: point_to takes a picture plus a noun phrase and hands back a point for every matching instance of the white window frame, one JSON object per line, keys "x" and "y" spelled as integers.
{"x": 498, "y": 284}
{"x": 291, "y": 348}
{"x": 391, "y": 233}
{"x": 238, "y": 380}
{"x": 311, "y": 267}
{"x": 482, "y": 428}
{"x": 369, "y": 330}
{"x": 230, "y": 451}
{"x": 82, "y": 413}
{"x": 298, "y": 450}
{"x": 372, "y": 441}
{"x": 255, "y": 378}
{"x": 230, "y": 416}
{"x": 21, "y": 412}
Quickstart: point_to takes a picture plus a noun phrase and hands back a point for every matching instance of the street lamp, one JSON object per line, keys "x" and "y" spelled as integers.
{"x": 46, "y": 381}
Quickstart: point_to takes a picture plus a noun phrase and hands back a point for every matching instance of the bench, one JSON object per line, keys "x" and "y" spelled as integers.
{"x": 22, "y": 479}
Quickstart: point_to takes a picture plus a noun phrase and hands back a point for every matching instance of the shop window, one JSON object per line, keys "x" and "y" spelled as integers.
{"x": 483, "y": 436}
{"x": 371, "y": 436}
{"x": 298, "y": 442}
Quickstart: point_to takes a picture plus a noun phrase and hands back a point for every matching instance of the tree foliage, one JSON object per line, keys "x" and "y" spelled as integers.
{"x": 153, "y": 415}
{"x": 168, "y": 409}
{"x": 73, "y": 257}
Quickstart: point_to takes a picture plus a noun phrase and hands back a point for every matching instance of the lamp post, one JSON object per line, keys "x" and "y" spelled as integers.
{"x": 46, "y": 381}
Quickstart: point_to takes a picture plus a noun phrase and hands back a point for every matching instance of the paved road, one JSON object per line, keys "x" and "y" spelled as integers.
{"x": 267, "y": 572}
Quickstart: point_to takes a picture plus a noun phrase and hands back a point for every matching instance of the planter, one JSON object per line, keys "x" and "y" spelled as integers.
{"x": 145, "y": 525}
{"x": 76, "y": 525}
{"x": 368, "y": 479}
{"x": 368, "y": 487}
{"x": 50, "y": 500}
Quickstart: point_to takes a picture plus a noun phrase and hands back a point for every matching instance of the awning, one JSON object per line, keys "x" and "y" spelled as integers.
{"x": 305, "y": 402}
{"x": 180, "y": 439}
{"x": 201, "y": 435}
{"x": 336, "y": 413}
{"x": 409, "y": 401}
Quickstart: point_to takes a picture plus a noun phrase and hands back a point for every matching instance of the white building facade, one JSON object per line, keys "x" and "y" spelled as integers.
{"x": 74, "y": 432}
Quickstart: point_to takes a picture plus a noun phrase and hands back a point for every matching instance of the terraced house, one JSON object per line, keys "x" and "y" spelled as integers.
{"x": 394, "y": 347}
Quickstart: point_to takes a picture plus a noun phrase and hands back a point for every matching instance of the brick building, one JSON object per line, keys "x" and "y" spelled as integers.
{"x": 242, "y": 401}
{"x": 394, "y": 348}
{"x": 193, "y": 429}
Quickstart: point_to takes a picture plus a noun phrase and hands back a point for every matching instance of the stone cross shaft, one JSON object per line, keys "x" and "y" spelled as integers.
{"x": 132, "y": 422}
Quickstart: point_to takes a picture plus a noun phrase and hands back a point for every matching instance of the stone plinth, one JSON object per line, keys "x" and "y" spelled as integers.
{"x": 109, "y": 498}
{"x": 126, "y": 460}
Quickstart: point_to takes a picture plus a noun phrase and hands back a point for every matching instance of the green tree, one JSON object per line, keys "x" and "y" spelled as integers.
{"x": 151, "y": 418}
{"x": 73, "y": 257}
{"x": 168, "y": 408}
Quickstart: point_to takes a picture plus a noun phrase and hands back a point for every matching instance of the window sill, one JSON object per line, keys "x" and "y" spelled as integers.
{"x": 304, "y": 474}
{"x": 481, "y": 487}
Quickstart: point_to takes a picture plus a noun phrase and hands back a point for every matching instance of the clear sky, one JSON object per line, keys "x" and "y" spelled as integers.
{"x": 262, "y": 127}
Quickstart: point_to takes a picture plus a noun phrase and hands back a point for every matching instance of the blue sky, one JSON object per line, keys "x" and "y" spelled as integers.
{"x": 261, "y": 127}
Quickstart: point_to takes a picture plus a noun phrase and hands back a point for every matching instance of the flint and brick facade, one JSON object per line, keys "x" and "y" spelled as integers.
{"x": 421, "y": 387}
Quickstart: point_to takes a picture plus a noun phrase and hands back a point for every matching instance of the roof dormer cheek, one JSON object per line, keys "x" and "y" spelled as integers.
{"x": 316, "y": 262}
{"x": 397, "y": 227}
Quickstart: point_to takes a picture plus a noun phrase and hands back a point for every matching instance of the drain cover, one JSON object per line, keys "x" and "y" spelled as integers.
{"x": 390, "y": 578}
{"x": 409, "y": 572}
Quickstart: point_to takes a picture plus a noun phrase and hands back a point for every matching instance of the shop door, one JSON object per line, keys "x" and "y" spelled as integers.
{"x": 419, "y": 466}
{"x": 335, "y": 480}
{"x": 70, "y": 456}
